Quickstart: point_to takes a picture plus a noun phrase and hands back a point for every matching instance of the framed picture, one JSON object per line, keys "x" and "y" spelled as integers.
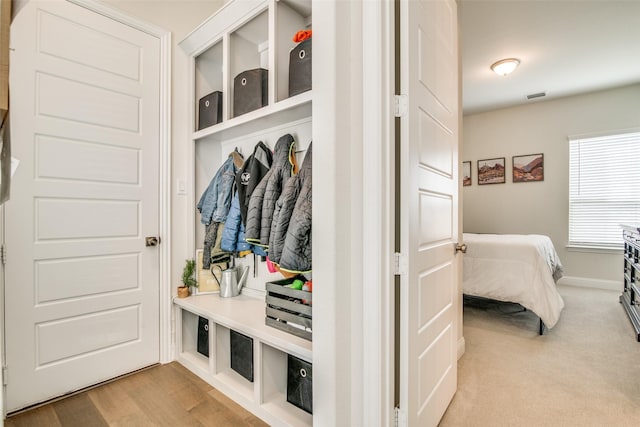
{"x": 491, "y": 171}
{"x": 466, "y": 174}
{"x": 207, "y": 284}
{"x": 528, "y": 168}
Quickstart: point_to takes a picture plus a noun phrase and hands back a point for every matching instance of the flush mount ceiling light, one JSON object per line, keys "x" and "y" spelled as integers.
{"x": 505, "y": 66}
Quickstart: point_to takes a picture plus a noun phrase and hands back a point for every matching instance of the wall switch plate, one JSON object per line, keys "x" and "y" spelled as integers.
{"x": 182, "y": 187}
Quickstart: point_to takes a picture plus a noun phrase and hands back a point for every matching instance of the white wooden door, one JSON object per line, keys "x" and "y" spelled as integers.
{"x": 81, "y": 286}
{"x": 429, "y": 209}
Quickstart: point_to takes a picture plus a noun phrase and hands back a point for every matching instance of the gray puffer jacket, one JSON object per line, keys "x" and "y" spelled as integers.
{"x": 263, "y": 199}
{"x": 296, "y": 253}
{"x": 293, "y": 230}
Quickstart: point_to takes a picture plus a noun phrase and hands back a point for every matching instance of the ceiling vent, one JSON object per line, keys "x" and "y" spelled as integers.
{"x": 536, "y": 95}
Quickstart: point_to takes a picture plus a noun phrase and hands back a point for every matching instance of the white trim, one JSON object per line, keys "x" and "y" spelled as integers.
{"x": 164, "y": 36}
{"x": 3, "y": 322}
{"x": 586, "y": 282}
{"x": 462, "y": 347}
{"x": 594, "y": 249}
{"x": 166, "y": 342}
{"x": 117, "y": 15}
{"x": 602, "y": 133}
{"x": 378, "y": 215}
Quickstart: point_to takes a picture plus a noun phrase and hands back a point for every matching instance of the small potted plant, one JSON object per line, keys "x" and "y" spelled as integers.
{"x": 188, "y": 279}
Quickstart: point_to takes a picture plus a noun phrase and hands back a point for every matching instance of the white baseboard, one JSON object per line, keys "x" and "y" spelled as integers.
{"x": 585, "y": 282}
{"x": 461, "y": 347}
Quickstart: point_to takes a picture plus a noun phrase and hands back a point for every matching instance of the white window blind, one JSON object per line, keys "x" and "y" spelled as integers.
{"x": 604, "y": 188}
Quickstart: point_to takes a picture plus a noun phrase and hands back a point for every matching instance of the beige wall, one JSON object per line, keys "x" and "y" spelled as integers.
{"x": 179, "y": 17}
{"x": 542, "y": 207}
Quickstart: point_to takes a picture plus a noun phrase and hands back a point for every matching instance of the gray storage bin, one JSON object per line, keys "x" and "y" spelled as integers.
{"x": 300, "y": 68}
{"x": 241, "y": 354}
{"x": 300, "y": 383}
{"x": 250, "y": 91}
{"x": 210, "y": 110}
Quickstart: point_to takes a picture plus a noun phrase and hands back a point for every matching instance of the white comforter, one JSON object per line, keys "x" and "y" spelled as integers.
{"x": 514, "y": 268}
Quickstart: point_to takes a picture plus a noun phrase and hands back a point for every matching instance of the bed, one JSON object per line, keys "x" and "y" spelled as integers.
{"x": 515, "y": 268}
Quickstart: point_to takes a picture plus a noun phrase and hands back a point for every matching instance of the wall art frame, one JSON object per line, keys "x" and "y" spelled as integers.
{"x": 491, "y": 171}
{"x": 467, "y": 179}
{"x": 528, "y": 168}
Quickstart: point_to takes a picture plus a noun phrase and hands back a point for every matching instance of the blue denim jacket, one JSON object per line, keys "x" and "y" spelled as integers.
{"x": 233, "y": 234}
{"x": 215, "y": 202}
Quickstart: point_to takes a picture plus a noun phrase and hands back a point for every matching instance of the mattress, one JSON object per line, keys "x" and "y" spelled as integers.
{"x": 514, "y": 268}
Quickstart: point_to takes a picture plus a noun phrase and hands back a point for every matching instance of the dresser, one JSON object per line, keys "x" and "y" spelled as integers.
{"x": 630, "y": 298}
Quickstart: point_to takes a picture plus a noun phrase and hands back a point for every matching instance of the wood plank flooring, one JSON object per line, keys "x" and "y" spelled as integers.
{"x": 164, "y": 395}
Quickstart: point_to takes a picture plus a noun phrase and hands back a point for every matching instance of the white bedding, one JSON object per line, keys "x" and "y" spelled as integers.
{"x": 514, "y": 268}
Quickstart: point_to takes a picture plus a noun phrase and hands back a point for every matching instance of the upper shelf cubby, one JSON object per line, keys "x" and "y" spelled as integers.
{"x": 249, "y": 54}
{"x": 292, "y": 16}
{"x": 209, "y": 78}
{"x": 246, "y": 43}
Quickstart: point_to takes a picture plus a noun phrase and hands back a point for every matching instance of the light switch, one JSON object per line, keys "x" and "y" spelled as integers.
{"x": 182, "y": 187}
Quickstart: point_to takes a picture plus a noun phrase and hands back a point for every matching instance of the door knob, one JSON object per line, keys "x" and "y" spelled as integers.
{"x": 152, "y": 241}
{"x": 461, "y": 247}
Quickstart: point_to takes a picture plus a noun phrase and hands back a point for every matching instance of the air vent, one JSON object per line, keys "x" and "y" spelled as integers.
{"x": 536, "y": 95}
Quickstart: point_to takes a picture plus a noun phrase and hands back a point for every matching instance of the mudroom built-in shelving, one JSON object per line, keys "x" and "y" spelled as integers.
{"x": 243, "y": 35}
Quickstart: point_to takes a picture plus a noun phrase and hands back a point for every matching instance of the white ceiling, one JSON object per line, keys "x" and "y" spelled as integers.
{"x": 565, "y": 47}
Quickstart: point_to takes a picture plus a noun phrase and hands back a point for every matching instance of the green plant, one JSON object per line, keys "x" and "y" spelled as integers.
{"x": 188, "y": 279}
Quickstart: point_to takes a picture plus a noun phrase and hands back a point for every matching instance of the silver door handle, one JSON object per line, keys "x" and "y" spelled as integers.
{"x": 461, "y": 247}
{"x": 152, "y": 241}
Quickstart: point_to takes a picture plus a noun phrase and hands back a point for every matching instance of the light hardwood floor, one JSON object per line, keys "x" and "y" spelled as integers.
{"x": 164, "y": 395}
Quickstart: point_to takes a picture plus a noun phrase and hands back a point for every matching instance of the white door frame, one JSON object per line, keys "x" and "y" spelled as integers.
{"x": 378, "y": 222}
{"x": 164, "y": 169}
{"x": 353, "y": 344}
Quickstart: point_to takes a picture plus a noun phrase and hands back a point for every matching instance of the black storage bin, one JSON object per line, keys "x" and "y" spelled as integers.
{"x": 203, "y": 336}
{"x": 210, "y": 110}
{"x": 250, "y": 91}
{"x": 241, "y": 354}
{"x": 300, "y": 68}
{"x": 300, "y": 383}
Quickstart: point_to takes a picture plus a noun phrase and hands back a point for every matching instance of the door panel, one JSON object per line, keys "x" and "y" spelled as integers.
{"x": 60, "y": 279}
{"x": 59, "y": 158}
{"x": 84, "y": 103}
{"x": 89, "y": 47}
{"x": 428, "y": 209}
{"x": 62, "y": 339}
{"x": 82, "y": 297}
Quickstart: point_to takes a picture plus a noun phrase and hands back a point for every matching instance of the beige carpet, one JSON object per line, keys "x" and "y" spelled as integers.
{"x": 583, "y": 372}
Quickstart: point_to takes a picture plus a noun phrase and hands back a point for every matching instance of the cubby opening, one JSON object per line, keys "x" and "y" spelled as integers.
{"x": 223, "y": 370}
{"x": 209, "y": 77}
{"x": 189, "y": 330}
{"x": 274, "y": 388}
{"x": 291, "y": 17}
{"x": 249, "y": 49}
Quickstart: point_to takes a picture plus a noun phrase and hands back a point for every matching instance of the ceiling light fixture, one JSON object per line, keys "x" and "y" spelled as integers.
{"x": 505, "y": 66}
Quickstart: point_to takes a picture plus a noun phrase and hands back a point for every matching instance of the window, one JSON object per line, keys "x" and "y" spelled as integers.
{"x": 604, "y": 188}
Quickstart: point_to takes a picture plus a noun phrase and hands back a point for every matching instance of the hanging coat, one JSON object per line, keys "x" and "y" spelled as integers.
{"x": 249, "y": 176}
{"x": 263, "y": 200}
{"x": 285, "y": 206}
{"x": 233, "y": 236}
{"x": 292, "y": 238}
{"x": 215, "y": 202}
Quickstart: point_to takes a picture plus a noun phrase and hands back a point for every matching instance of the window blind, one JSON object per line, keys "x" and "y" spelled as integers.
{"x": 604, "y": 188}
